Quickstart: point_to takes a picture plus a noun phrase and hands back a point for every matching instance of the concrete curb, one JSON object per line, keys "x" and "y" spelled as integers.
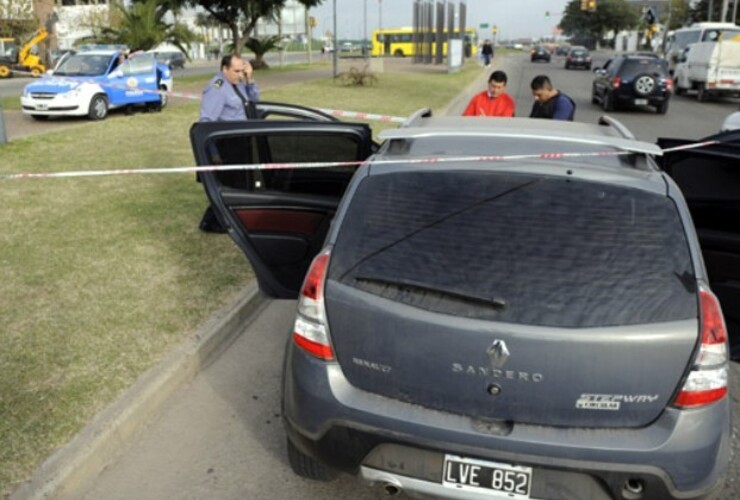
{"x": 82, "y": 459}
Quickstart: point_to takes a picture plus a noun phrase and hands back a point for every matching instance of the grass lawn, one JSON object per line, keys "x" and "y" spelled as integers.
{"x": 100, "y": 277}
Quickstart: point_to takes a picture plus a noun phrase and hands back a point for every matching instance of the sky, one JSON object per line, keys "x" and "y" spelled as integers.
{"x": 514, "y": 18}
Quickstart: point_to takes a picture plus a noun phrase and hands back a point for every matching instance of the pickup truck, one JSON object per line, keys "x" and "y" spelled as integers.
{"x": 711, "y": 68}
{"x": 92, "y": 82}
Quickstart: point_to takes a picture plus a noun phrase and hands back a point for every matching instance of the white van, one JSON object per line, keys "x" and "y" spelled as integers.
{"x": 679, "y": 39}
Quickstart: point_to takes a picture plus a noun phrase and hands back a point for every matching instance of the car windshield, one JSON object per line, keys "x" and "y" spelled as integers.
{"x": 518, "y": 248}
{"x": 579, "y": 53}
{"x": 84, "y": 65}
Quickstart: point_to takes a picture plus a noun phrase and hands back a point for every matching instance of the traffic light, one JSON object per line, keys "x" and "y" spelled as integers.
{"x": 592, "y": 5}
{"x": 494, "y": 29}
{"x": 312, "y": 21}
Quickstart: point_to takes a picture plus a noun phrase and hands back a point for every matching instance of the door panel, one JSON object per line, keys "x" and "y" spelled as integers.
{"x": 279, "y": 217}
{"x": 709, "y": 178}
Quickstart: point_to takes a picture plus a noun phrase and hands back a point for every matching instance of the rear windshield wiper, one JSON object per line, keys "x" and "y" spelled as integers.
{"x": 414, "y": 286}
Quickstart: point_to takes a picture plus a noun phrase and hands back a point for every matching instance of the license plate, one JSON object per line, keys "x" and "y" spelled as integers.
{"x": 641, "y": 102}
{"x": 482, "y": 476}
{"x": 42, "y": 107}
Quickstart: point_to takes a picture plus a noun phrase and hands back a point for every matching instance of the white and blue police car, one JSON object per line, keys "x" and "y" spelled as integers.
{"x": 91, "y": 83}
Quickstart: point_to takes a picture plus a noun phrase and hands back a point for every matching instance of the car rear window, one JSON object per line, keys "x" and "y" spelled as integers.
{"x": 517, "y": 248}
{"x": 579, "y": 53}
{"x": 634, "y": 67}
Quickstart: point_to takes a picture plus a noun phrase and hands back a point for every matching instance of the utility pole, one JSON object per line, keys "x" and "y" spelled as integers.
{"x": 711, "y": 9}
{"x": 334, "y": 62}
{"x": 725, "y": 7}
{"x": 364, "y": 28}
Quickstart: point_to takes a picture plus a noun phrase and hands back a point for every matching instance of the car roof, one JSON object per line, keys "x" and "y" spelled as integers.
{"x": 106, "y": 52}
{"x": 572, "y": 132}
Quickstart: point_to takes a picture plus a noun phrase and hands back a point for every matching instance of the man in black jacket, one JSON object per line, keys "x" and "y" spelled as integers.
{"x": 549, "y": 102}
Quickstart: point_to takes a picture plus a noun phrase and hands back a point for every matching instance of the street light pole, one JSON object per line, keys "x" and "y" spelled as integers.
{"x": 364, "y": 28}
{"x": 334, "y": 61}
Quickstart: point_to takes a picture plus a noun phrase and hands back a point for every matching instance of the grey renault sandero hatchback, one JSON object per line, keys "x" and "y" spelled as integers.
{"x": 487, "y": 308}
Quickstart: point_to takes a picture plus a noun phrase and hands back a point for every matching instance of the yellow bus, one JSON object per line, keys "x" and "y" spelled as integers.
{"x": 399, "y": 42}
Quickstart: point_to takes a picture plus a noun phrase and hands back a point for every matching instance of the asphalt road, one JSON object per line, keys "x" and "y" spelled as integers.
{"x": 221, "y": 436}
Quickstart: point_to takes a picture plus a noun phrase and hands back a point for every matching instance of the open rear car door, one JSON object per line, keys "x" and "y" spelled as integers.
{"x": 709, "y": 178}
{"x": 279, "y": 217}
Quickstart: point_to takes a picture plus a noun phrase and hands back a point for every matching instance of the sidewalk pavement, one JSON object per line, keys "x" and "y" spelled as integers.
{"x": 81, "y": 460}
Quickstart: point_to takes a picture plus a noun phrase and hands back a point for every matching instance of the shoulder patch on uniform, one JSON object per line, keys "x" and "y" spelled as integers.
{"x": 218, "y": 83}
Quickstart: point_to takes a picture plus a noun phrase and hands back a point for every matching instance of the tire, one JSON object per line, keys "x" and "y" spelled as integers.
{"x": 5, "y": 71}
{"x": 644, "y": 85}
{"x": 607, "y": 102}
{"x": 594, "y": 99}
{"x": 36, "y": 71}
{"x": 567, "y": 66}
{"x": 398, "y": 53}
{"x": 98, "y": 109}
{"x": 662, "y": 108}
{"x": 307, "y": 467}
{"x": 588, "y": 67}
{"x": 701, "y": 93}
{"x": 680, "y": 90}
{"x": 163, "y": 98}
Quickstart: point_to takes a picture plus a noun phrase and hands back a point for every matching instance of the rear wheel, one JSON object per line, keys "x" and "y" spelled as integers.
{"x": 662, "y": 108}
{"x": 608, "y": 102}
{"x": 36, "y": 71}
{"x": 701, "y": 93}
{"x": 163, "y": 97}
{"x": 307, "y": 467}
{"x": 4, "y": 71}
{"x": 398, "y": 53}
{"x": 98, "y": 107}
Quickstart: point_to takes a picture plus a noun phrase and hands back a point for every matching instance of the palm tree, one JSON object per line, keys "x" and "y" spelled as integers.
{"x": 260, "y": 47}
{"x": 143, "y": 27}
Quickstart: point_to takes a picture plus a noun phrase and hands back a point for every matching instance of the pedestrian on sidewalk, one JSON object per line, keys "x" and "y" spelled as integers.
{"x": 549, "y": 102}
{"x": 229, "y": 96}
{"x": 487, "y": 52}
{"x": 493, "y": 101}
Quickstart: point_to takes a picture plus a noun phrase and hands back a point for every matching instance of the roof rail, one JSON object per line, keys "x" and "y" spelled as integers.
{"x": 617, "y": 125}
{"x": 416, "y": 116}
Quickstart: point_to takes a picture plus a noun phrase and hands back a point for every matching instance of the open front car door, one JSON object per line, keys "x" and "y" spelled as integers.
{"x": 279, "y": 217}
{"x": 709, "y": 177}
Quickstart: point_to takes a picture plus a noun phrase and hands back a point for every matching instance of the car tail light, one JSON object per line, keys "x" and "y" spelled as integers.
{"x": 616, "y": 82}
{"x": 588, "y": 59}
{"x": 707, "y": 381}
{"x": 311, "y": 329}
{"x": 668, "y": 83}
{"x": 570, "y": 58}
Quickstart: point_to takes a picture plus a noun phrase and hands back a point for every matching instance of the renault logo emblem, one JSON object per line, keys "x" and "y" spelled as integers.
{"x": 498, "y": 352}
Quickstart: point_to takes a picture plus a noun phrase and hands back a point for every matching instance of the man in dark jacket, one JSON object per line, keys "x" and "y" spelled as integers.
{"x": 487, "y": 52}
{"x": 549, "y": 102}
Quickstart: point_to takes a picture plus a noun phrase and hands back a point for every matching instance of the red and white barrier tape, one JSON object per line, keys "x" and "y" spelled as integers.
{"x": 197, "y": 97}
{"x": 305, "y": 165}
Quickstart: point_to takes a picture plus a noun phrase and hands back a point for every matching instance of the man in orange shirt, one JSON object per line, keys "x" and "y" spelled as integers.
{"x": 493, "y": 101}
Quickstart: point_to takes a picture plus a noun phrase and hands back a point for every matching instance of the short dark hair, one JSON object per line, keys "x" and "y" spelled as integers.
{"x": 498, "y": 77}
{"x": 541, "y": 82}
{"x": 227, "y": 59}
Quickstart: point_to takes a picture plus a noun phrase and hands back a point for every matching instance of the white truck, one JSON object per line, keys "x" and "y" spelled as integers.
{"x": 711, "y": 68}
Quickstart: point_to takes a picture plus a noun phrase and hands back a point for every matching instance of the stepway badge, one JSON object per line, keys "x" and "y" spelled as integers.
{"x": 611, "y": 402}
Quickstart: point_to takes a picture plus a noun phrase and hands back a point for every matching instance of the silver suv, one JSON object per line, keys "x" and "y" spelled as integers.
{"x": 498, "y": 308}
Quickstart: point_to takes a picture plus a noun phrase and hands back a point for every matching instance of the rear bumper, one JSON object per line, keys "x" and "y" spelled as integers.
{"x": 652, "y": 100}
{"x": 683, "y": 454}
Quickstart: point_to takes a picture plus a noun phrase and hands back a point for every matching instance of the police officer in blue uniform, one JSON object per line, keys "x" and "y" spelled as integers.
{"x": 228, "y": 94}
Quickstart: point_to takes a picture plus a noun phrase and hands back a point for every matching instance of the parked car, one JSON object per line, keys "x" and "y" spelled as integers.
{"x": 633, "y": 80}
{"x": 175, "y": 58}
{"x": 539, "y": 53}
{"x": 578, "y": 58}
{"x": 562, "y": 50}
{"x": 542, "y": 328}
{"x": 91, "y": 83}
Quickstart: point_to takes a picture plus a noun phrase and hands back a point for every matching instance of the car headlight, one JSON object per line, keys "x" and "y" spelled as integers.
{"x": 71, "y": 94}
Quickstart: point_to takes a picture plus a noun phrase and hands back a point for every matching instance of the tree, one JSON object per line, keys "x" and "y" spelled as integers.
{"x": 142, "y": 27}
{"x": 241, "y": 16}
{"x": 610, "y": 15}
{"x": 261, "y": 46}
{"x": 16, "y": 18}
{"x": 700, "y": 12}
{"x": 679, "y": 12}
